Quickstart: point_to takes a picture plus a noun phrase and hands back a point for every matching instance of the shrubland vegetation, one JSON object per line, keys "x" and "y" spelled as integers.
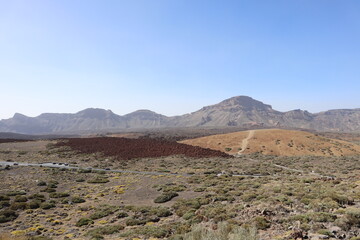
{"x": 265, "y": 201}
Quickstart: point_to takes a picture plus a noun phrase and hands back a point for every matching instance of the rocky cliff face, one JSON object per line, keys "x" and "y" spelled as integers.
{"x": 236, "y": 111}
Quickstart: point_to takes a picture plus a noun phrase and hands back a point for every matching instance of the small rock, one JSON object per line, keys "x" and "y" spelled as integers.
{"x": 335, "y": 229}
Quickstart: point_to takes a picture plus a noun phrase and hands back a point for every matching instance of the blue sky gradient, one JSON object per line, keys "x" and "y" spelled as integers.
{"x": 174, "y": 57}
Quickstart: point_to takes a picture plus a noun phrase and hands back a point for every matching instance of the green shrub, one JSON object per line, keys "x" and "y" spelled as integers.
{"x": 103, "y": 211}
{"x": 218, "y": 212}
{"x": 58, "y": 195}
{"x": 37, "y": 196}
{"x": 34, "y": 204}
{"x": 41, "y": 183}
{"x": 248, "y": 197}
{"x": 7, "y": 216}
{"x": 342, "y": 200}
{"x": 53, "y": 184}
{"x": 107, "y": 230}
{"x": 83, "y": 222}
{"x": 16, "y": 193}
{"x": 151, "y": 231}
{"x": 323, "y": 217}
{"x": 122, "y": 215}
{"x": 20, "y": 199}
{"x": 353, "y": 216}
{"x": 303, "y": 218}
{"x": 19, "y": 205}
{"x": 165, "y": 197}
{"x": 98, "y": 180}
{"x": 172, "y": 187}
{"x": 224, "y": 232}
{"x": 189, "y": 214}
{"x": 134, "y": 222}
{"x": 163, "y": 212}
{"x": 200, "y": 189}
{"x": 77, "y": 199}
{"x": 183, "y": 206}
{"x": 261, "y": 223}
{"x": 84, "y": 170}
{"x": 324, "y": 232}
{"x": 4, "y": 198}
{"x": 47, "y": 205}
{"x": 48, "y": 190}
{"x": 4, "y": 204}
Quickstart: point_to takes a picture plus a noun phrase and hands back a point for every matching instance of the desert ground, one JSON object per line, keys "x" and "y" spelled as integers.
{"x": 247, "y": 192}
{"x": 278, "y": 142}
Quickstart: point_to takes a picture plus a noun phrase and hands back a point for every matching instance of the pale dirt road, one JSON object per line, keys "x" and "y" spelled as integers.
{"x": 245, "y": 142}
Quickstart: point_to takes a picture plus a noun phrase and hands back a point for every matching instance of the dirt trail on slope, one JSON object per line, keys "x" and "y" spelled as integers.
{"x": 245, "y": 142}
{"x": 278, "y": 142}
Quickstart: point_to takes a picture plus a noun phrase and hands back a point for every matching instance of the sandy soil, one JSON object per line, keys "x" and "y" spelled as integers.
{"x": 276, "y": 142}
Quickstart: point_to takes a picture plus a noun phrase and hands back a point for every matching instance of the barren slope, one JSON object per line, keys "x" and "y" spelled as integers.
{"x": 276, "y": 142}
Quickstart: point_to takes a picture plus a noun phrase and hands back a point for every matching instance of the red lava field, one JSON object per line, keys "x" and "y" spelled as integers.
{"x": 12, "y": 140}
{"x": 125, "y": 148}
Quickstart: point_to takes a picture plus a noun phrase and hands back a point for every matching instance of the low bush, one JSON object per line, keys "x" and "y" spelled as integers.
{"x": 107, "y": 230}
{"x": 16, "y": 193}
{"x": 41, "y": 183}
{"x": 165, "y": 197}
{"x": 34, "y": 204}
{"x": 134, "y": 222}
{"x": 163, "y": 212}
{"x": 183, "y": 206}
{"x": 4, "y": 198}
{"x": 58, "y": 195}
{"x": 83, "y": 222}
{"x": 7, "y": 216}
{"x": 4, "y": 204}
{"x": 261, "y": 223}
{"x": 98, "y": 180}
{"x": 103, "y": 211}
{"x": 224, "y": 231}
{"x": 47, "y": 205}
{"x": 150, "y": 231}
{"x": 48, "y": 190}
{"x": 122, "y": 215}
{"x": 19, "y": 206}
{"x": 353, "y": 216}
{"x": 20, "y": 198}
{"x": 77, "y": 199}
{"x": 37, "y": 196}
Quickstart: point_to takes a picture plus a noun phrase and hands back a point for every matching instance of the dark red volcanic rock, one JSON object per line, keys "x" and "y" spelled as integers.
{"x": 124, "y": 148}
{"x": 7, "y": 140}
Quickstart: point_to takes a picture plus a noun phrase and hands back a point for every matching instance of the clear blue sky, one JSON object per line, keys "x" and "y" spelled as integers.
{"x": 175, "y": 56}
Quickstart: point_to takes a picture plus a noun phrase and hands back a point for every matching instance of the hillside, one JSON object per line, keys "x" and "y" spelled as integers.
{"x": 240, "y": 111}
{"x": 276, "y": 142}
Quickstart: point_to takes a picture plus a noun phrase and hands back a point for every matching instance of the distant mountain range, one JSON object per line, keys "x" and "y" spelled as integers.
{"x": 241, "y": 111}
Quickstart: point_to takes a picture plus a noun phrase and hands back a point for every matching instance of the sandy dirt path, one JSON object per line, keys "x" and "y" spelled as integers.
{"x": 245, "y": 142}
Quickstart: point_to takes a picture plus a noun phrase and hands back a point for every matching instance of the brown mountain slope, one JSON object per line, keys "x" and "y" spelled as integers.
{"x": 276, "y": 142}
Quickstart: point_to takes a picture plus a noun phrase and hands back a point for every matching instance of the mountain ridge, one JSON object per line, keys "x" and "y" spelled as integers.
{"x": 241, "y": 111}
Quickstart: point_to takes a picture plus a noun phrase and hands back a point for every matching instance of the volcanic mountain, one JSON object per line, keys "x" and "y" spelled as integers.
{"x": 241, "y": 111}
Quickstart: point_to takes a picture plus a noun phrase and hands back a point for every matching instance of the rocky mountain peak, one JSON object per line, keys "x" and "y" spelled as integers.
{"x": 244, "y": 103}
{"x": 19, "y": 116}
{"x": 96, "y": 113}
